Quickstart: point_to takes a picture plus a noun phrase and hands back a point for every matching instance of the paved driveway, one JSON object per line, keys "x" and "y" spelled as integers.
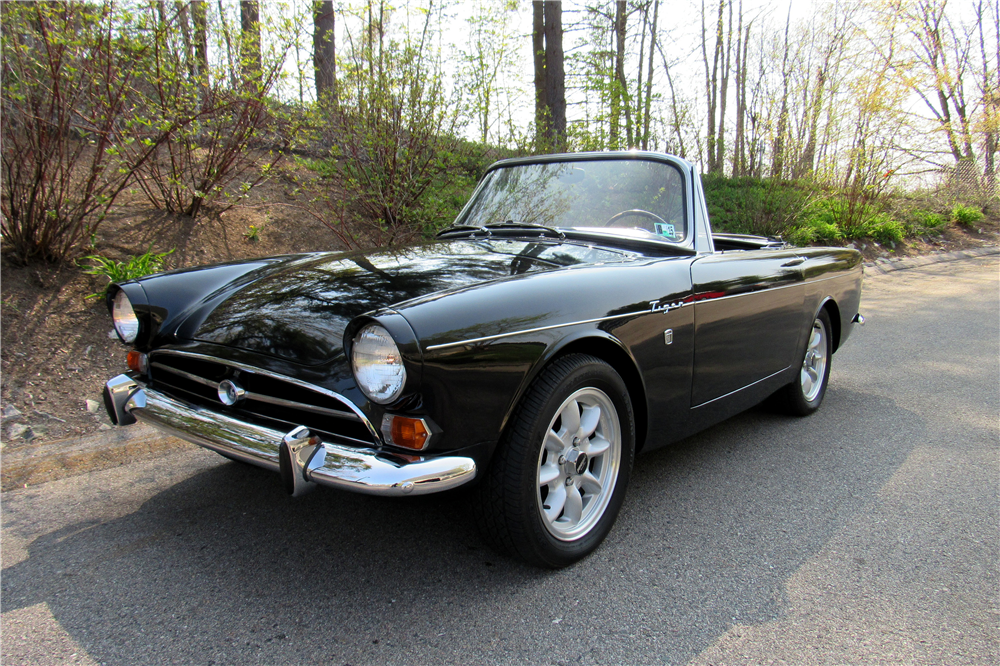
{"x": 866, "y": 533}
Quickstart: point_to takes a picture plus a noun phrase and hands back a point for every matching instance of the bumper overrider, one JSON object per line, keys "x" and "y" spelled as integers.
{"x": 303, "y": 459}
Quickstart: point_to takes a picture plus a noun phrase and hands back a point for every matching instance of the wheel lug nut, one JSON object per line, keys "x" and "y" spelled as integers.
{"x": 562, "y": 460}
{"x": 569, "y": 480}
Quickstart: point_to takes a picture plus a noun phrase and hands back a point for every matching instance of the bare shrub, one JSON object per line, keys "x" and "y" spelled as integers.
{"x": 206, "y": 135}
{"x": 65, "y": 88}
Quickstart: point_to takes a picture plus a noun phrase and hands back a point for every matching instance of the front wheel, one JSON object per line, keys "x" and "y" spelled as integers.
{"x": 804, "y": 395}
{"x": 558, "y": 479}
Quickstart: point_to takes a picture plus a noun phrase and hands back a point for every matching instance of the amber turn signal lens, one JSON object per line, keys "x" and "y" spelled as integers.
{"x": 407, "y": 432}
{"x": 137, "y": 361}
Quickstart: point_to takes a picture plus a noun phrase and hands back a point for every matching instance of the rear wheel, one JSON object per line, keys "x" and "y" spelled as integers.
{"x": 558, "y": 479}
{"x": 804, "y": 395}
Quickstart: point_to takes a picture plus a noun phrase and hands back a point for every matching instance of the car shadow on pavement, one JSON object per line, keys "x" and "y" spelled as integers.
{"x": 223, "y": 567}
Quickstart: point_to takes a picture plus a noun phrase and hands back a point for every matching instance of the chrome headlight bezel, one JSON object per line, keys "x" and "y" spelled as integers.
{"x": 377, "y": 364}
{"x": 124, "y": 318}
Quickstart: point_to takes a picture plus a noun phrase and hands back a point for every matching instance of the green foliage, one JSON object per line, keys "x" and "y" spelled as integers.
{"x": 761, "y": 206}
{"x": 835, "y": 218}
{"x": 252, "y": 234}
{"x": 884, "y": 229}
{"x": 120, "y": 271}
{"x": 966, "y": 215}
{"x": 815, "y": 228}
{"x": 924, "y": 222}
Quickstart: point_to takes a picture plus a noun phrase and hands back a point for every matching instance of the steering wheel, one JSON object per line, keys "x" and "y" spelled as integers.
{"x": 638, "y": 213}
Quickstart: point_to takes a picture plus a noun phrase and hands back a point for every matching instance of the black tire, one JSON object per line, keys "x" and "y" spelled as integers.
{"x": 553, "y": 505}
{"x": 804, "y": 395}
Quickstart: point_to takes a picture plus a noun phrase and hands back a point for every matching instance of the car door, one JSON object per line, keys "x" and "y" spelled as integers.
{"x": 748, "y": 314}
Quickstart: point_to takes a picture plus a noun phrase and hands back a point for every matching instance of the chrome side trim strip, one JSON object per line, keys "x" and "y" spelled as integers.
{"x": 358, "y": 470}
{"x": 376, "y": 435}
{"x": 766, "y": 289}
{"x": 743, "y": 388}
{"x": 498, "y": 336}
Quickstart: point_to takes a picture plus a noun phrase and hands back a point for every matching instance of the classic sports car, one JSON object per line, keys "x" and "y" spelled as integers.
{"x": 578, "y": 311}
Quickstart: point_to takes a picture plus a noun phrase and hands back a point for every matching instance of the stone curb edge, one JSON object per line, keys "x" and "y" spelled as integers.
{"x": 31, "y": 465}
{"x": 885, "y": 265}
{"x": 35, "y": 464}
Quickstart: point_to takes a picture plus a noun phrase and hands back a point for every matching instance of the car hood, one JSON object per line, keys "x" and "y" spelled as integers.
{"x": 298, "y": 308}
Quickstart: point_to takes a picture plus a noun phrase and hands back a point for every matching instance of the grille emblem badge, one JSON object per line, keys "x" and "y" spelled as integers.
{"x": 230, "y": 392}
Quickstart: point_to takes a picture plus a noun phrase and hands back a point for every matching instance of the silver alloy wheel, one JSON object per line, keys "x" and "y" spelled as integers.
{"x": 814, "y": 364}
{"x": 578, "y": 464}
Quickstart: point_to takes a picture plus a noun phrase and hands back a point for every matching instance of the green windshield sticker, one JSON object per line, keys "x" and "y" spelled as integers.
{"x": 665, "y": 230}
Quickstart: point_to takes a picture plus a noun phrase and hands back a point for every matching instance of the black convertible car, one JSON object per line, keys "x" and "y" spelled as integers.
{"x": 578, "y": 311}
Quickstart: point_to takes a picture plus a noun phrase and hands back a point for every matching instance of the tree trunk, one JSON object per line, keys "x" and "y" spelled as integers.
{"x": 550, "y": 78}
{"x": 807, "y": 161}
{"x": 182, "y": 20}
{"x": 555, "y": 77}
{"x": 711, "y": 82}
{"x": 325, "y": 51}
{"x": 990, "y": 94}
{"x": 739, "y": 148}
{"x": 199, "y": 16}
{"x": 720, "y": 142}
{"x": 675, "y": 111}
{"x": 227, "y": 37}
{"x": 649, "y": 76}
{"x": 621, "y": 85}
{"x": 250, "y": 65}
{"x": 778, "y": 158}
{"x": 639, "y": 105}
{"x": 538, "y": 52}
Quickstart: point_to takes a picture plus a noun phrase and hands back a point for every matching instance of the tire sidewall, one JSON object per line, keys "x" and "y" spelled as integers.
{"x": 552, "y": 551}
{"x": 802, "y": 405}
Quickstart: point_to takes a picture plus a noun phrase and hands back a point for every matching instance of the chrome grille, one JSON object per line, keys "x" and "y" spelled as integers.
{"x": 270, "y": 399}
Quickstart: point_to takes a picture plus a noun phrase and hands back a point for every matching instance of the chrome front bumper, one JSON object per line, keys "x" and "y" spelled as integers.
{"x": 302, "y": 459}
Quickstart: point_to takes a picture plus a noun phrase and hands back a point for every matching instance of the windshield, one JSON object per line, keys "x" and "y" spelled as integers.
{"x": 622, "y": 193}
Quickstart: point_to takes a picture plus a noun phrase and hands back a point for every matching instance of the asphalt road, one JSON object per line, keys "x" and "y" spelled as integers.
{"x": 867, "y": 533}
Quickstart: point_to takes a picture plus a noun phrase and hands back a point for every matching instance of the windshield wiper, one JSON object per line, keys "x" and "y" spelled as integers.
{"x": 511, "y": 224}
{"x": 464, "y": 229}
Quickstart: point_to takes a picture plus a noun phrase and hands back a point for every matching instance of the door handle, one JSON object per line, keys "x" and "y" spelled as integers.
{"x": 793, "y": 262}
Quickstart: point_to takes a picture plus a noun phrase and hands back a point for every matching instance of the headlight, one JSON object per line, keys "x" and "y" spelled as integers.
{"x": 378, "y": 366}
{"x": 122, "y": 314}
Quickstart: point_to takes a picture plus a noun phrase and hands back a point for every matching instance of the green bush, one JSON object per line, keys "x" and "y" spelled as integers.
{"x": 966, "y": 215}
{"x": 800, "y": 236}
{"x": 925, "y": 221}
{"x": 882, "y": 228}
{"x": 835, "y": 219}
{"x": 819, "y": 226}
{"x": 824, "y": 218}
{"x": 121, "y": 271}
{"x": 762, "y": 206}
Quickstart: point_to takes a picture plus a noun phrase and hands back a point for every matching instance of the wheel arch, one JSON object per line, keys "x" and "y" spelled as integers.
{"x": 613, "y": 352}
{"x": 833, "y": 310}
